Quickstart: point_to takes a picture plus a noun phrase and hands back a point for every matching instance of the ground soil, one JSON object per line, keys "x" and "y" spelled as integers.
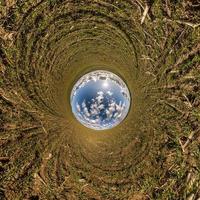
{"x": 46, "y": 45}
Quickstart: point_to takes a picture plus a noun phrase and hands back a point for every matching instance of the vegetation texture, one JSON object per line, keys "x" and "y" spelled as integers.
{"x": 46, "y": 45}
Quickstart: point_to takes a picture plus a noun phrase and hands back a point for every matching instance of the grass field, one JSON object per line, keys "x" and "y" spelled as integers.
{"x": 45, "y": 46}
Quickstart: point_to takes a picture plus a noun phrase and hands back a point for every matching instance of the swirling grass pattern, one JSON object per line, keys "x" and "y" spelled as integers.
{"x": 47, "y": 153}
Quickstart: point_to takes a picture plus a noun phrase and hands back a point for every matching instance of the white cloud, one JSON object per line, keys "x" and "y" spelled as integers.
{"x": 83, "y": 104}
{"x": 94, "y": 111}
{"x": 94, "y": 78}
{"x": 87, "y": 119}
{"x": 112, "y": 104}
{"x": 101, "y": 93}
{"x": 123, "y": 106}
{"x": 119, "y": 115}
{"x": 94, "y": 105}
{"x": 118, "y": 108}
{"x": 78, "y": 107}
{"x": 112, "y": 108}
{"x": 93, "y": 121}
{"x": 109, "y": 113}
{"x": 101, "y": 106}
{"x": 85, "y": 110}
{"x": 99, "y": 99}
{"x": 109, "y": 93}
{"x": 115, "y": 115}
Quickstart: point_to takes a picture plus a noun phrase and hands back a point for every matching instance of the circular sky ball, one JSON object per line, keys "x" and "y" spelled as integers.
{"x": 100, "y": 100}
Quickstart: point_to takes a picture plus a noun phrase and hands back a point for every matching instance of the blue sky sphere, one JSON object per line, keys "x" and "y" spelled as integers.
{"x": 100, "y": 100}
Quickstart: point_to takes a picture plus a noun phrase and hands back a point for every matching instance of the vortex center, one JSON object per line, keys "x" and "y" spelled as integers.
{"x": 100, "y": 100}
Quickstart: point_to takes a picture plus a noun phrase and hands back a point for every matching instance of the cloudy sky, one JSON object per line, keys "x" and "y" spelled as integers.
{"x": 101, "y": 100}
{"x": 98, "y": 113}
